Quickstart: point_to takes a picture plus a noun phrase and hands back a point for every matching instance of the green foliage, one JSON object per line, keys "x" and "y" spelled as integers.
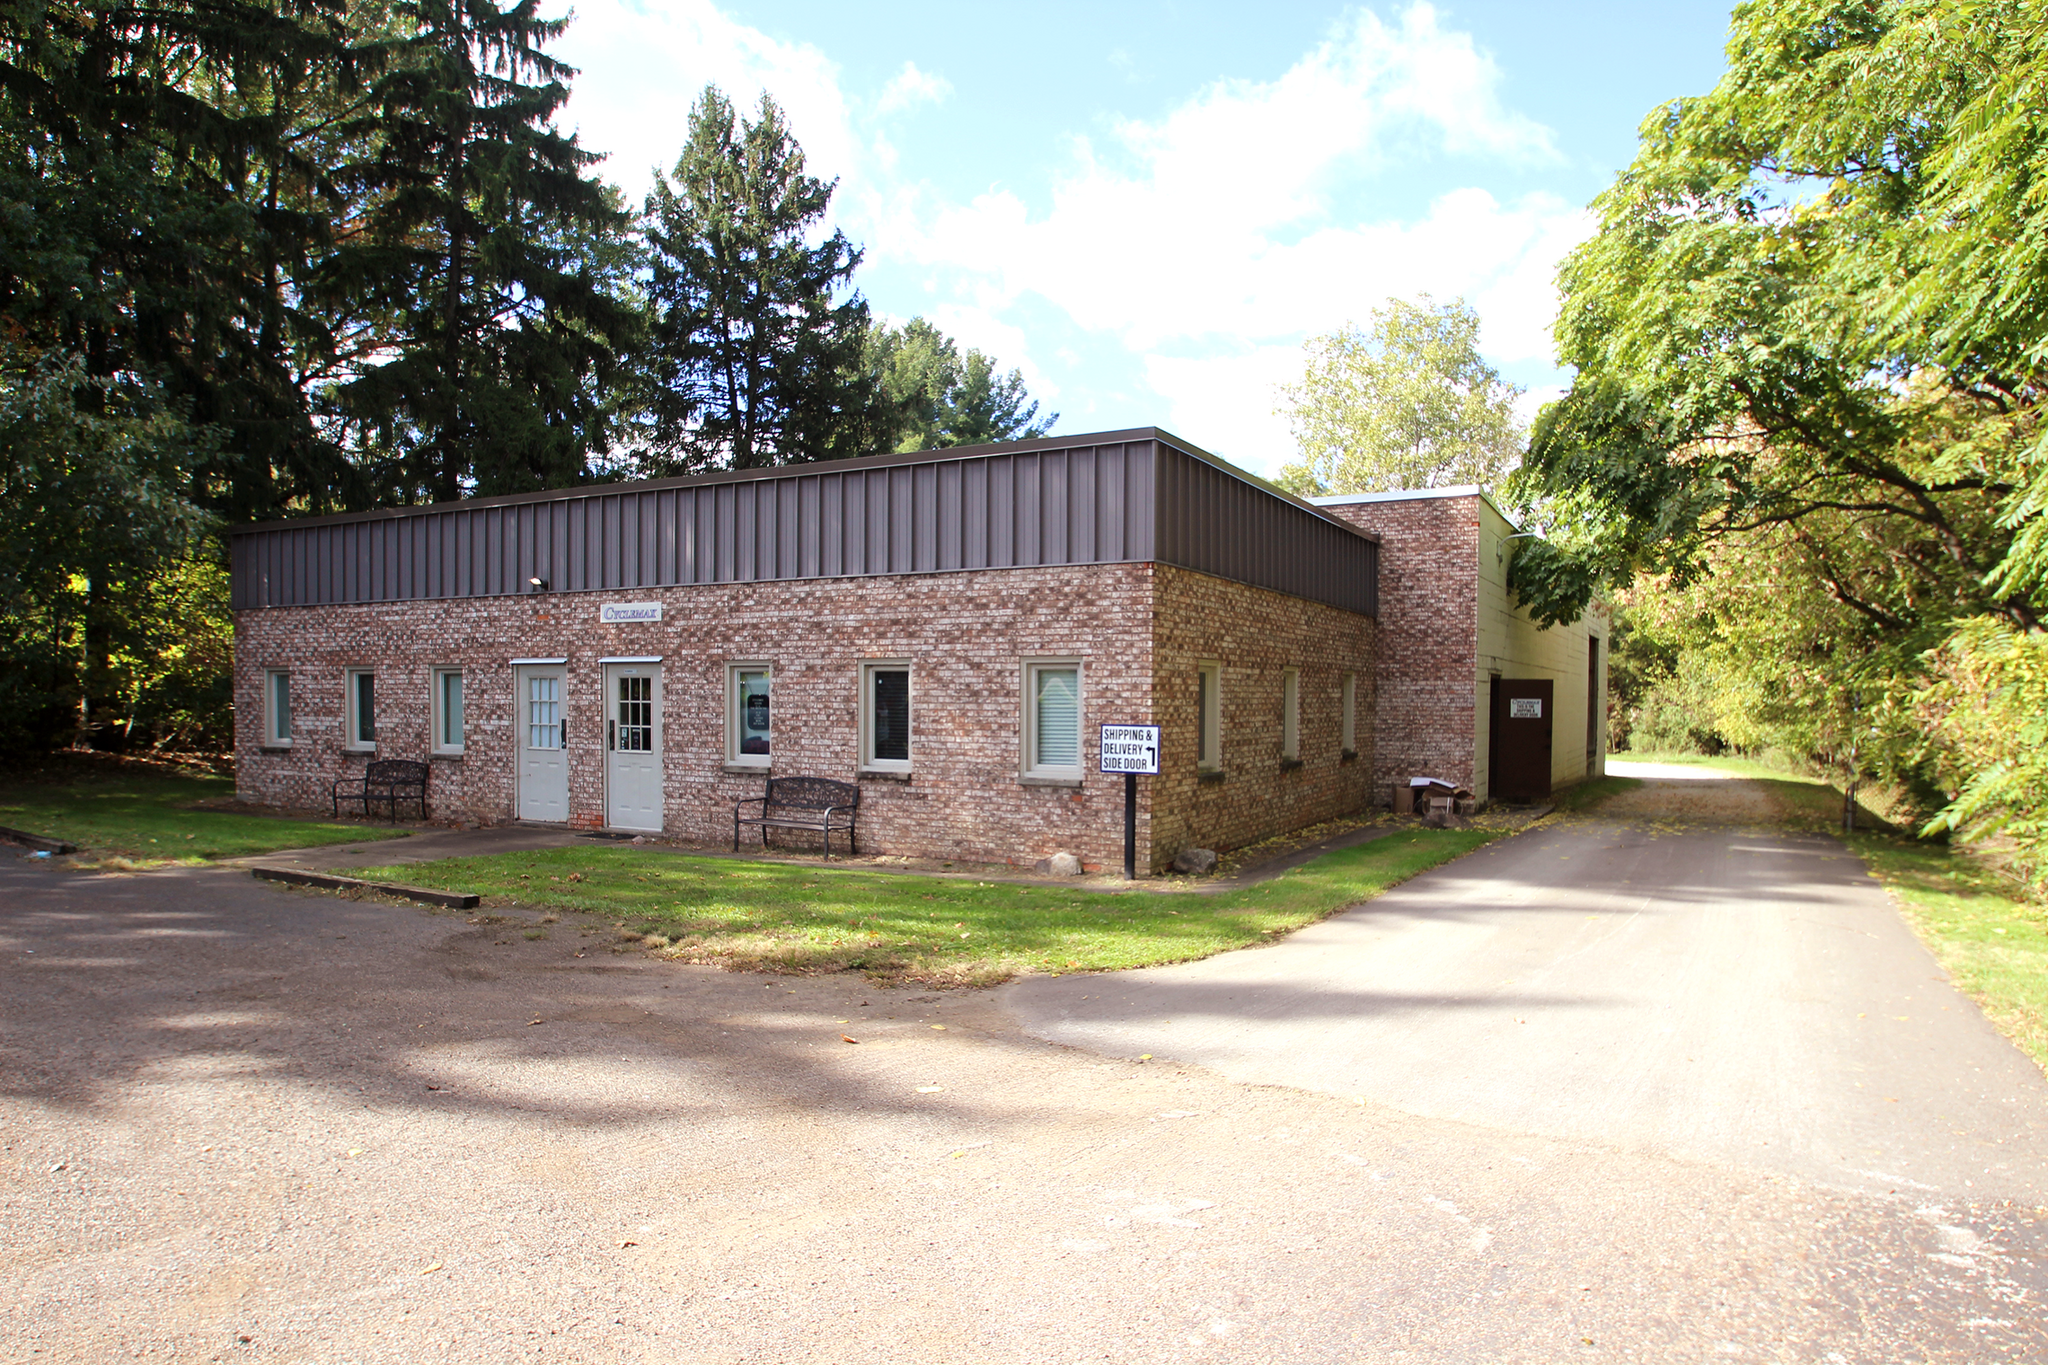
{"x": 754, "y": 358}
{"x": 171, "y": 664}
{"x": 133, "y": 142}
{"x": 1809, "y": 342}
{"x": 1757, "y": 652}
{"x": 1404, "y": 403}
{"x": 93, "y": 472}
{"x": 1755, "y": 343}
{"x": 499, "y": 330}
{"x": 260, "y": 259}
{"x": 1986, "y": 708}
{"x": 935, "y": 398}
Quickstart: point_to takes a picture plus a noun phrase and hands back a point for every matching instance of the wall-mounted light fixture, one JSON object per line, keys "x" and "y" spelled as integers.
{"x": 1500, "y": 552}
{"x": 539, "y": 584}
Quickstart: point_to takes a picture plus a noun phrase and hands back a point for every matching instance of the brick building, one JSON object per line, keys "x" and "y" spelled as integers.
{"x": 1470, "y": 690}
{"x": 948, "y": 629}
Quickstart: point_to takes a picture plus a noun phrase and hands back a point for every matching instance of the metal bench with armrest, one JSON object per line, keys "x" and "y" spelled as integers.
{"x": 821, "y": 804}
{"x": 387, "y": 781}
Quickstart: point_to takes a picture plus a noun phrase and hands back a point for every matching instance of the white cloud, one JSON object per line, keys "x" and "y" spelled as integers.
{"x": 911, "y": 87}
{"x": 644, "y": 62}
{"x": 1218, "y": 220}
{"x": 1225, "y": 403}
{"x": 1192, "y": 253}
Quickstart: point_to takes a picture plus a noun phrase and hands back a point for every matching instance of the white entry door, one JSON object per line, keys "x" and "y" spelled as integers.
{"x": 543, "y": 743}
{"x": 632, "y": 767}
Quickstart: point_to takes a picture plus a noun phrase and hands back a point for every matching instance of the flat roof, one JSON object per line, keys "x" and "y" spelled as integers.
{"x": 1455, "y": 490}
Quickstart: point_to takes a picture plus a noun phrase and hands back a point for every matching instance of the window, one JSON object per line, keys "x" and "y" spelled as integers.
{"x": 277, "y": 709}
{"x": 747, "y": 719}
{"x": 361, "y": 720}
{"x": 544, "y": 712}
{"x": 632, "y": 730}
{"x": 1052, "y": 719}
{"x": 1209, "y": 717}
{"x": 448, "y": 711}
{"x": 1350, "y": 701}
{"x": 885, "y": 716}
{"x": 1290, "y": 715}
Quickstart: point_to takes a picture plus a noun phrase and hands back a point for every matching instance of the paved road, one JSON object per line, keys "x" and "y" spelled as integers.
{"x": 1696, "y": 989}
{"x": 241, "y": 1122}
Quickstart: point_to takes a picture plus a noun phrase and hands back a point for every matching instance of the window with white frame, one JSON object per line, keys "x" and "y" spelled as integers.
{"x": 448, "y": 731}
{"x": 1209, "y": 717}
{"x": 277, "y": 708}
{"x": 748, "y": 721}
{"x": 1349, "y": 699}
{"x": 885, "y": 715}
{"x": 1290, "y": 714}
{"x": 360, "y": 703}
{"x": 1052, "y": 719}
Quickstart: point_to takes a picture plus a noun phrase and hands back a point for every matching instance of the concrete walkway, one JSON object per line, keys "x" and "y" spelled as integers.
{"x": 1677, "y": 986}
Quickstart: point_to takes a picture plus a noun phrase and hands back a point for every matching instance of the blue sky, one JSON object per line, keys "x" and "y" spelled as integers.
{"x": 1150, "y": 207}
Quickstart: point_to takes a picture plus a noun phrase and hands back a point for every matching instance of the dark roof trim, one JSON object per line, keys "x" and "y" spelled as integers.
{"x": 784, "y": 471}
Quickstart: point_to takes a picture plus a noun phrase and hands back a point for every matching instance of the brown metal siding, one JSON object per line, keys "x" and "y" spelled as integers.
{"x": 1217, "y": 522}
{"x": 1092, "y": 503}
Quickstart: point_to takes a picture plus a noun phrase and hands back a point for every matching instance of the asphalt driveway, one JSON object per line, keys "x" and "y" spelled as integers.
{"x": 1688, "y": 984}
{"x": 241, "y": 1122}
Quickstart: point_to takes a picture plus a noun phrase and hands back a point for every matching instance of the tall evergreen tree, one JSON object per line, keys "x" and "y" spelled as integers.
{"x": 479, "y": 212}
{"x": 755, "y": 356}
{"x": 933, "y": 397}
{"x": 130, "y": 139}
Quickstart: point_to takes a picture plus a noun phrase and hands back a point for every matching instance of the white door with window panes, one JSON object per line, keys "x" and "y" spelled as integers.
{"x": 541, "y": 701}
{"x": 632, "y": 765}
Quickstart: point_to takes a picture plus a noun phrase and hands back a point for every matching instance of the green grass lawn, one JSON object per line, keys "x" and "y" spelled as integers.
{"x": 136, "y": 817}
{"x": 777, "y": 917}
{"x": 1980, "y": 927}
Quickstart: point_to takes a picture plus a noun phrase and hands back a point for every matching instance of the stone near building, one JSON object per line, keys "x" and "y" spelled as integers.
{"x": 1059, "y": 865}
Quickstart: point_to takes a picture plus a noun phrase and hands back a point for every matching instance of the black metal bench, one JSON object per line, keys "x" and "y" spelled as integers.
{"x": 822, "y": 804}
{"x": 387, "y": 781}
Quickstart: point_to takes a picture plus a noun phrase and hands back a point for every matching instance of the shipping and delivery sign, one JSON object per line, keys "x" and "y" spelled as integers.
{"x": 1130, "y": 749}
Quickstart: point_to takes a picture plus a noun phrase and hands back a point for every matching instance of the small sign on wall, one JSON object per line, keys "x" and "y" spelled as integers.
{"x": 628, "y": 613}
{"x": 1525, "y": 708}
{"x": 1130, "y": 749}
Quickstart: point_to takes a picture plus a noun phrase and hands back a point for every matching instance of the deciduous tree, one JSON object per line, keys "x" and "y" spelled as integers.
{"x": 1405, "y": 402}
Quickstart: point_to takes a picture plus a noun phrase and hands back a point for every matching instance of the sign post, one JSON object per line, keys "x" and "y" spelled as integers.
{"x": 1130, "y": 750}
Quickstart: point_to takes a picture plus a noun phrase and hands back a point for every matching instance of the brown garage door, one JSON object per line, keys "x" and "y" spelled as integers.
{"x": 1521, "y": 727}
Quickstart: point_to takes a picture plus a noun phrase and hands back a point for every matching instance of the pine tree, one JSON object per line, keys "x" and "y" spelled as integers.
{"x": 503, "y": 334}
{"x": 131, "y": 139}
{"x": 752, "y": 359}
{"x": 933, "y": 398}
